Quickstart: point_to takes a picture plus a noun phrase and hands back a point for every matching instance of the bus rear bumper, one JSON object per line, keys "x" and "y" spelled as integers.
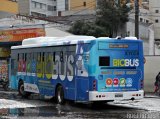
{"x": 104, "y": 96}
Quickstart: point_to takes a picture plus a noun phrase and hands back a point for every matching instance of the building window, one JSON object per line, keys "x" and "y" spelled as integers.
{"x": 156, "y": 21}
{"x": 147, "y": 21}
{"x": 141, "y": 19}
{"x": 66, "y": 5}
{"x": 84, "y": 4}
{"x": 55, "y": 8}
{"x": 41, "y": 5}
{"x": 33, "y": 4}
{"x": 128, "y": 33}
{"x": 50, "y": 8}
{"x": 156, "y": 11}
{"x": 59, "y": 13}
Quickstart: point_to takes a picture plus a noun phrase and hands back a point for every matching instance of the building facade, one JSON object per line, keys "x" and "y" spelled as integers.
{"x": 45, "y": 8}
{"x": 154, "y": 8}
{"x": 41, "y": 8}
{"x": 8, "y": 8}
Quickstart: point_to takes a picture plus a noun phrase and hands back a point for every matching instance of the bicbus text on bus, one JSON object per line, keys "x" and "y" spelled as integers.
{"x": 79, "y": 68}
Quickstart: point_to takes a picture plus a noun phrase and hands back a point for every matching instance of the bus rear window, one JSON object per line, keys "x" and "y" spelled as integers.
{"x": 104, "y": 61}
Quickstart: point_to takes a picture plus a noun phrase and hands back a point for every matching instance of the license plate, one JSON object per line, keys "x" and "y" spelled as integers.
{"x": 118, "y": 95}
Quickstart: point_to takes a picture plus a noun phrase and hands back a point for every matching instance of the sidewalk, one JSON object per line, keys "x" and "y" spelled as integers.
{"x": 150, "y": 102}
{"x": 151, "y": 95}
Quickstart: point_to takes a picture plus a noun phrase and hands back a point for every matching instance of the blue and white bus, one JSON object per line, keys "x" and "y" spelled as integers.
{"x": 79, "y": 68}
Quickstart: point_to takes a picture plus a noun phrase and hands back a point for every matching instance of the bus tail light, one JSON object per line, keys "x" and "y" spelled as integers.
{"x": 94, "y": 85}
{"x": 136, "y": 94}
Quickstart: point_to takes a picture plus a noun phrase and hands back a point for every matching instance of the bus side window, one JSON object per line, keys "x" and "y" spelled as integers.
{"x": 43, "y": 57}
{"x": 38, "y": 56}
{"x": 49, "y": 57}
{"x": 32, "y": 56}
{"x": 54, "y": 55}
{"x": 29, "y": 57}
{"x": 33, "y": 60}
{"x": 13, "y": 67}
{"x": 25, "y": 56}
{"x": 18, "y": 57}
{"x": 61, "y": 56}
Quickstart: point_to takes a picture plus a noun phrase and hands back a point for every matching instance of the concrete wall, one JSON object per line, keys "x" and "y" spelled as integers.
{"x": 54, "y": 32}
{"x": 24, "y": 7}
{"x": 78, "y": 5}
{"x": 5, "y": 15}
{"x": 28, "y": 6}
{"x": 78, "y": 12}
{"x": 60, "y": 5}
{"x": 154, "y": 5}
{"x": 143, "y": 28}
{"x": 151, "y": 69}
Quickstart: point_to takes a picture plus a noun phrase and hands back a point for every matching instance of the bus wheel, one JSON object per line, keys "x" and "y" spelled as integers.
{"x": 60, "y": 95}
{"x": 21, "y": 90}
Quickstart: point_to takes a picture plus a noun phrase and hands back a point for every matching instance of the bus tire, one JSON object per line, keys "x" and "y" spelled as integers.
{"x": 60, "y": 95}
{"x": 21, "y": 90}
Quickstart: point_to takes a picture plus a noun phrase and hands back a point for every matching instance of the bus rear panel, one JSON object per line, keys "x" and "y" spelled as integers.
{"x": 119, "y": 70}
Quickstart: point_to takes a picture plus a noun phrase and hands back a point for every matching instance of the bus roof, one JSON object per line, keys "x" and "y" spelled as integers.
{"x": 56, "y": 41}
{"x": 53, "y": 41}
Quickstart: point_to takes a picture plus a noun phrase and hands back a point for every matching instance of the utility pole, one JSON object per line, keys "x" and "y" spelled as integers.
{"x": 136, "y": 2}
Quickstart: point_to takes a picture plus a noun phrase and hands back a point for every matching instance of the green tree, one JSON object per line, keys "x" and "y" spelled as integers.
{"x": 87, "y": 28}
{"x": 111, "y": 15}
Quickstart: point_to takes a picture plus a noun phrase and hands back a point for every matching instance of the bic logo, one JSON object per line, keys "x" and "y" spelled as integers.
{"x": 122, "y": 82}
{"x": 129, "y": 82}
{"x": 125, "y": 62}
{"x": 115, "y": 81}
{"x": 109, "y": 82}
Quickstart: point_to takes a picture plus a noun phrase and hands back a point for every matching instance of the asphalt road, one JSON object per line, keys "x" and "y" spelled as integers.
{"x": 13, "y": 106}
